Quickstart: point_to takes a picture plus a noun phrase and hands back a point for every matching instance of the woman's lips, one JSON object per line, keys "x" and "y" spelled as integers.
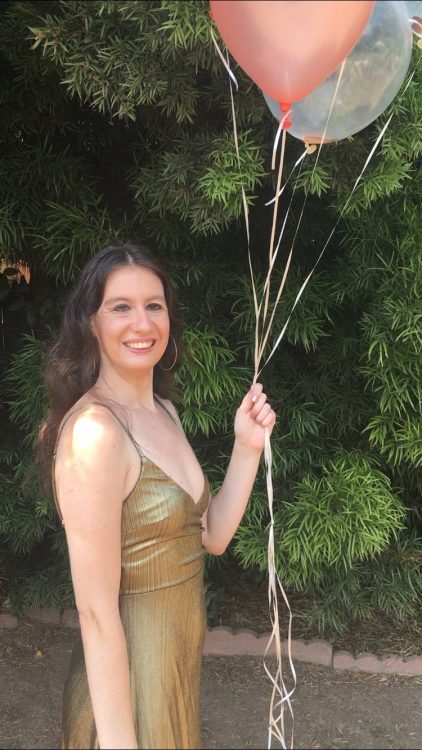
{"x": 140, "y": 346}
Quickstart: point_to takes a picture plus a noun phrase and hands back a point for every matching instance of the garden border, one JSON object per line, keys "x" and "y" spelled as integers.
{"x": 225, "y": 641}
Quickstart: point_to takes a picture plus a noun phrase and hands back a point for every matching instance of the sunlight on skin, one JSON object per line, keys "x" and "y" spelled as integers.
{"x": 92, "y": 438}
{"x": 87, "y": 435}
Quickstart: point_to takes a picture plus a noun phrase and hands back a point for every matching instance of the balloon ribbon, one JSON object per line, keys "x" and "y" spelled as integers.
{"x": 279, "y": 695}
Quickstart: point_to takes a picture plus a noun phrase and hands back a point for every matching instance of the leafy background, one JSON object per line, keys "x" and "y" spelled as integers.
{"x": 115, "y": 123}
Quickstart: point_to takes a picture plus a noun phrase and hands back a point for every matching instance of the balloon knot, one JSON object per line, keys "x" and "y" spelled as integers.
{"x": 286, "y": 109}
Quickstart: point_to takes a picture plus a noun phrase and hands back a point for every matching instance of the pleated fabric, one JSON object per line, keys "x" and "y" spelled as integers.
{"x": 162, "y": 607}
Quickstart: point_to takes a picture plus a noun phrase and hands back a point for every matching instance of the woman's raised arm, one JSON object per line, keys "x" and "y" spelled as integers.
{"x": 225, "y": 511}
{"x": 92, "y": 467}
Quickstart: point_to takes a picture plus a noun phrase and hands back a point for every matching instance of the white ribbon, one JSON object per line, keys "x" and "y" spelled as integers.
{"x": 357, "y": 181}
{"x": 276, "y": 722}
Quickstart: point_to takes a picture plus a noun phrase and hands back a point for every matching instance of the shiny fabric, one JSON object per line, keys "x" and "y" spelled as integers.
{"x": 162, "y": 607}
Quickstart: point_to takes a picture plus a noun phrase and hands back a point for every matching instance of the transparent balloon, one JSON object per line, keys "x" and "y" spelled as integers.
{"x": 414, "y": 8}
{"x": 372, "y": 76}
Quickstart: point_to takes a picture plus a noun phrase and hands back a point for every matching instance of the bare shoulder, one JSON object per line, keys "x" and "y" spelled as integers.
{"x": 90, "y": 433}
{"x": 91, "y": 468}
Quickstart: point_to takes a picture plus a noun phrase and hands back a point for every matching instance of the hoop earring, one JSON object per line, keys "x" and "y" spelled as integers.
{"x": 95, "y": 363}
{"x": 167, "y": 369}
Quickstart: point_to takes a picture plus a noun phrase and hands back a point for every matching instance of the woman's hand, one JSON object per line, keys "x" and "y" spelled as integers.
{"x": 228, "y": 505}
{"x": 252, "y": 417}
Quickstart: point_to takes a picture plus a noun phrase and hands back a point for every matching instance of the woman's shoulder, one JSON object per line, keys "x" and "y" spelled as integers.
{"x": 89, "y": 408}
{"x": 89, "y": 425}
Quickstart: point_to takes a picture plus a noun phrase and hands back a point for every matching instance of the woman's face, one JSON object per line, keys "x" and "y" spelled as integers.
{"x": 132, "y": 323}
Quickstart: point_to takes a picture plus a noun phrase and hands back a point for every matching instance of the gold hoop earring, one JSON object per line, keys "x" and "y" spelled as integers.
{"x": 96, "y": 362}
{"x": 167, "y": 369}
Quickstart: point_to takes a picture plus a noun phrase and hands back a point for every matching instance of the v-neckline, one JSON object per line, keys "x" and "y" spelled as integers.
{"x": 195, "y": 502}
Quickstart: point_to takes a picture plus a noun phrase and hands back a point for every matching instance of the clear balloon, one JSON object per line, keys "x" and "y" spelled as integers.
{"x": 288, "y": 47}
{"x": 414, "y": 8}
{"x": 372, "y": 76}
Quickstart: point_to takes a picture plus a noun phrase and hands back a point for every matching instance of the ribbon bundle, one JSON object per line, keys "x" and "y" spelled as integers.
{"x": 281, "y": 695}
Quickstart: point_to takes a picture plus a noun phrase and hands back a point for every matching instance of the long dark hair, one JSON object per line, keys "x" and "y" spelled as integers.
{"x": 72, "y": 364}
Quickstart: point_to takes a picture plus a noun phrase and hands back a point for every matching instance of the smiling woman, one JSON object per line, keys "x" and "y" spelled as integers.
{"x": 136, "y": 506}
{"x": 132, "y": 324}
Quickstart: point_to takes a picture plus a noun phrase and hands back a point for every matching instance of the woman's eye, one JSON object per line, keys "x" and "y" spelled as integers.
{"x": 123, "y": 307}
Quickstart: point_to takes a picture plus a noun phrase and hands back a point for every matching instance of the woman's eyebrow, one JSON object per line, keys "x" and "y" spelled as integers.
{"x": 111, "y": 300}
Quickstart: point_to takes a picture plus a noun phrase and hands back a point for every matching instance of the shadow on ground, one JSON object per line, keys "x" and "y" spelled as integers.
{"x": 332, "y": 709}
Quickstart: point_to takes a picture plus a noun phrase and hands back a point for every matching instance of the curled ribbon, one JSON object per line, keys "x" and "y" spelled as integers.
{"x": 276, "y": 720}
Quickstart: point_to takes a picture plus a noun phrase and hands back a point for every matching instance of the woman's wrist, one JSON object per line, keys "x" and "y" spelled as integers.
{"x": 246, "y": 450}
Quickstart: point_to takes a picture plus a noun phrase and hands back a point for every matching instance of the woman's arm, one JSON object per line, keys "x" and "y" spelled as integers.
{"x": 92, "y": 468}
{"x": 226, "y": 508}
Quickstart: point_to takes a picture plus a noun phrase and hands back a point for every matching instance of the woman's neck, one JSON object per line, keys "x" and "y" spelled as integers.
{"x": 132, "y": 394}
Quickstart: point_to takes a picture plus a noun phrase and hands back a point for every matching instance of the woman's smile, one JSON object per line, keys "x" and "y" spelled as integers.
{"x": 140, "y": 345}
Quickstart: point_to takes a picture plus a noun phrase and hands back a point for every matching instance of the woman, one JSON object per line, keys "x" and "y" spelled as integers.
{"x": 136, "y": 507}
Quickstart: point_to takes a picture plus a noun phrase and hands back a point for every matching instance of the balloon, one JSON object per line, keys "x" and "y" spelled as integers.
{"x": 372, "y": 76}
{"x": 414, "y": 8}
{"x": 289, "y": 47}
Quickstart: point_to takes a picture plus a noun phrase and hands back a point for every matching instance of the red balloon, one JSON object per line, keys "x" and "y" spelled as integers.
{"x": 288, "y": 47}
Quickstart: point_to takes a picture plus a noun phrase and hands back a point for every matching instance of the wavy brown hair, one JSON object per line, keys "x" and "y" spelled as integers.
{"x": 72, "y": 363}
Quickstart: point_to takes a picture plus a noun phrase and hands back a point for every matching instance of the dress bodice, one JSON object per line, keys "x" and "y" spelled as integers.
{"x": 161, "y": 529}
{"x": 161, "y": 532}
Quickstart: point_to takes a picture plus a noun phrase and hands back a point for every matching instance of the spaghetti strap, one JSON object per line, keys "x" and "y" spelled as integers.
{"x": 117, "y": 418}
{"x": 60, "y": 430}
{"x": 166, "y": 410}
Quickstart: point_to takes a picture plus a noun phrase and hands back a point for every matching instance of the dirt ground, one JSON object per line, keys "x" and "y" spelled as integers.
{"x": 331, "y": 709}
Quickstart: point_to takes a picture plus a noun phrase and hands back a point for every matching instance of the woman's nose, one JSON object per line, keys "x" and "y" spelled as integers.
{"x": 141, "y": 320}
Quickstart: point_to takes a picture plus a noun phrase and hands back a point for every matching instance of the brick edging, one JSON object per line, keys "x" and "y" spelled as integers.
{"x": 226, "y": 641}
{"x": 229, "y": 642}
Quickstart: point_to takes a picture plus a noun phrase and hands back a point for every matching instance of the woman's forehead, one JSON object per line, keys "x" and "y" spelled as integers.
{"x": 133, "y": 280}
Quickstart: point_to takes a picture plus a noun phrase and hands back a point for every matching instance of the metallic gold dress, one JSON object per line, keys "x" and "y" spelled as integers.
{"x": 162, "y": 607}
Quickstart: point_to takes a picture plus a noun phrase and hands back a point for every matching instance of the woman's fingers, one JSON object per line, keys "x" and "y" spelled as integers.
{"x": 255, "y": 392}
{"x": 264, "y": 412}
{"x": 258, "y": 405}
{"x": 269, "y": 420}
{"x": 251, "y": 397}
{"x": 255, "y": 402}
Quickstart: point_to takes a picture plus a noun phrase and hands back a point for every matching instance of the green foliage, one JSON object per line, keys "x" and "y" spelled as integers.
{"x": 204, "y": 398}
{"x": 26, "y": 368}
{"x": 348, "y": 514}
{"x": 74, "y": 233}
{"x": 115, "y": 57}
{"x": 116, "y": 122}
{"x": 198, "y": 180}
{"x": 49, "y": 587}
{"x": 391, "y": 585}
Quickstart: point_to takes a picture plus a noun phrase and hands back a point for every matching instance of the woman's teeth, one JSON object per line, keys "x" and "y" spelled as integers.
{"x": 140, "y": 345}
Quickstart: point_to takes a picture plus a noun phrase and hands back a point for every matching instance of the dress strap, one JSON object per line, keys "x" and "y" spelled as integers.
{"x": 122, "y": 425}
{"x": 97, "y": 403}
{"x": 60, "y": 430}
{"x": 166, "y": 410}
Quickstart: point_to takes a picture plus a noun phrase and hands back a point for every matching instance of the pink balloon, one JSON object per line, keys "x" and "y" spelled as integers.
{"x": 288, "y": 47}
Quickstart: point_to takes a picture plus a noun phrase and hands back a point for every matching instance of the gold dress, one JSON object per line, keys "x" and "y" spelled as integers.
{"x": 162, "y": 607}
